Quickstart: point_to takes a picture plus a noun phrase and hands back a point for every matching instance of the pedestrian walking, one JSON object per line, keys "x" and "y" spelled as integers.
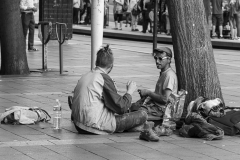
{"x": 128, "y": 14}
{"x": 237, "y": 4}
{"x": 217, "y": 17}
{"x": 135, "y": 11}
{"x": 118, "y": 13}
{"x": 27, "y": 8}
{"x": 76, "y": 8}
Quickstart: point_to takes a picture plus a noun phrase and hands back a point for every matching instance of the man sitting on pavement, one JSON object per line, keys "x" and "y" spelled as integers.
{"x": 97, "y": 107}
{"x": 155, "y": 102}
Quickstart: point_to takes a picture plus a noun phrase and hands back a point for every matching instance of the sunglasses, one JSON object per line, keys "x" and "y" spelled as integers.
{"x": 159, "y": 58}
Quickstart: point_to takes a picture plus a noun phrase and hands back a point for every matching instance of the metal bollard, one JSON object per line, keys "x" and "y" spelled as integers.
{"x": 61, "y": 38}
{"x": 41, "y": 36}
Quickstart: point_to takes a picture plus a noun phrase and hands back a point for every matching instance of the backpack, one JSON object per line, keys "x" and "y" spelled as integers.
{"x": 230, "y": 123}
{"x": 24, "y": 115}
{"x": 136, "y": 10}
{"x": 125, "y": 6}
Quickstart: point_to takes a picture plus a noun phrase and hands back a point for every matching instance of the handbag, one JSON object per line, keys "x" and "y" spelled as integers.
{"x": 24, "y": 115}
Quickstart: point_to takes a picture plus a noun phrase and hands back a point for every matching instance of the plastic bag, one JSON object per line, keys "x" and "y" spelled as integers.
{"x": 175, "y": 104}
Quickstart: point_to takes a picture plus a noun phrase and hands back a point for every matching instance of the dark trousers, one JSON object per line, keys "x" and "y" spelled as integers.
{"x": 88, "y": 16}
{"x": 124, "y": 122}
{"x": 28, "y": 23}
{"x": 238, "y": 23}
{"x": 130, "y": 120}
{"x": 146, "y": 20}
{"x": 75, "y": 15}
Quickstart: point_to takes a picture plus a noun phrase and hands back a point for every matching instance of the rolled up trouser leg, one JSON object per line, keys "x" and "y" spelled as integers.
{"x": 130, "y": 120}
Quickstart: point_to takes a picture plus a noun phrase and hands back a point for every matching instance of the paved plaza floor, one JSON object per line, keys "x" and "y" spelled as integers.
{"x": 133, "y": 61}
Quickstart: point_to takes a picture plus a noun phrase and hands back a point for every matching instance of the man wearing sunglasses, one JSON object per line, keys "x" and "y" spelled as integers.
{"x": 154, "y": 102}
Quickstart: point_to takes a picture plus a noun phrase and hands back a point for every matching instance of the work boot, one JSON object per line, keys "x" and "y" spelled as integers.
{"x": 149, "y": 135}
{"x": 162, "y": 131}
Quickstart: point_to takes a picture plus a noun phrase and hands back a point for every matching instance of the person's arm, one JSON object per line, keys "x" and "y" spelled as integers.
{"x": 162, "y": 99}
{"x": 112, "y": 100}
{"x": 168, "y": 86}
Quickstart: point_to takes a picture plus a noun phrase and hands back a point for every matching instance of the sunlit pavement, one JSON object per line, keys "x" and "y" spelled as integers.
{"x": 133, "y": 61}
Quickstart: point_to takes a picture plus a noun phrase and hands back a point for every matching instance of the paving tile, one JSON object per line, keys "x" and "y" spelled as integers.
{"x": 19, "y": 129}
{"x": 48, "y": 156}
{"x": 8, "y": 136}
{"x": 83, "y": 156}
{"x": 231, "y": 148}
{"x": 221, "y": 143}
{"x": 9, "y": 151}
{"x": 124, "y": 139}
{"x": 25, "y": 143}
{"x": 31, "y": 149}
{"x": 36, "y": 137}
{"x": 197, "y": 158}
{"x": 16, "y": 157}
{"x": 82, "y": 141}
{"x": 139, "y": 150}
{"x": 107, "y": 151}
{"x": 228, "y": 157}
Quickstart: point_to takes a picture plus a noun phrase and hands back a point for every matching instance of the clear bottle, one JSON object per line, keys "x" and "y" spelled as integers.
{"x": 167, "y": 122}
{"x": 57, "y": 115}
{"x": 182, "y": 94}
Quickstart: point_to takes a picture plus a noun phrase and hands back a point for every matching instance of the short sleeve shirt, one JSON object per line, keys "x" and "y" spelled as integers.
{"x": 217, "y": 6}
{"x": 167, "y": 80}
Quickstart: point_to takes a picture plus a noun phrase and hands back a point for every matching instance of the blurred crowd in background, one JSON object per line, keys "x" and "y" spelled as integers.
{"x": 223, "y": 16}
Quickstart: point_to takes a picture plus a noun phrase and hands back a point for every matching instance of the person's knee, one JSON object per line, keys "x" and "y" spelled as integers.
{"x": 144, "y": 114}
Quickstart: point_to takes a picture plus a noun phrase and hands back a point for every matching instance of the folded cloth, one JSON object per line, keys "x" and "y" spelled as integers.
{"x": 198, "y": 127}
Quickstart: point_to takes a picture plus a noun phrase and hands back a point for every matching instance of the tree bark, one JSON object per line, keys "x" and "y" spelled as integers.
{"x": 193, "y": 53}
{"x": 13, "y": 43}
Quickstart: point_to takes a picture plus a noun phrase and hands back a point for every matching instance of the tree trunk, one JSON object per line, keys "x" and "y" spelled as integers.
{"x": 193, "y": 53}
{"x": 13, "y": 43}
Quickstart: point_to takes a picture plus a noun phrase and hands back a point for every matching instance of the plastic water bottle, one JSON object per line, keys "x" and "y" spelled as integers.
{"x": 57, "y": 115}
{"x": 167, "y": 122}
{"x": 182, "y": 94}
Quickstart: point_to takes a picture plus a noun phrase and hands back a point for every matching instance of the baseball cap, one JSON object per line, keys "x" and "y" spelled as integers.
{"x": 167, "y": 50}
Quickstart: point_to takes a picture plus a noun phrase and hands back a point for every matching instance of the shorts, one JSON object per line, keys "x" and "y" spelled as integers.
{"x": 118, "y": 17}
{"x": 134, "y": 19}
{"x": 217, "y": 19}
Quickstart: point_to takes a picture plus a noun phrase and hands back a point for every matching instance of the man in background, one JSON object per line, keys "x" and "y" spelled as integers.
{"x": 27, "y": 8}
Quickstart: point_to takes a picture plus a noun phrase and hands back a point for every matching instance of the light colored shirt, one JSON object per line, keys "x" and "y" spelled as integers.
{"x": 132, "y": 4}
{"x": 76, "y": 3}
{"x": 24, "y": 4}
{"x": 167, "y": 80}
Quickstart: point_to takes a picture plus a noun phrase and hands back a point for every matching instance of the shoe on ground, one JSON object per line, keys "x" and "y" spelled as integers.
{"x": 221, "y": 37}
{"x": 149, "y": 135}
{"x": 136, "y": 29}
{"x": 150, "y": 31}
{"x": 120, "y": 29}
{"x": 162, "y": 131}
{"x": 115, "y": 28}
{"x": 143, "y": 31}
{"x": 32, "y": 49}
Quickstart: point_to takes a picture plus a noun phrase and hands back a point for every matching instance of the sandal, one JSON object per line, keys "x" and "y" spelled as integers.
{"x": 32, "y": 49}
